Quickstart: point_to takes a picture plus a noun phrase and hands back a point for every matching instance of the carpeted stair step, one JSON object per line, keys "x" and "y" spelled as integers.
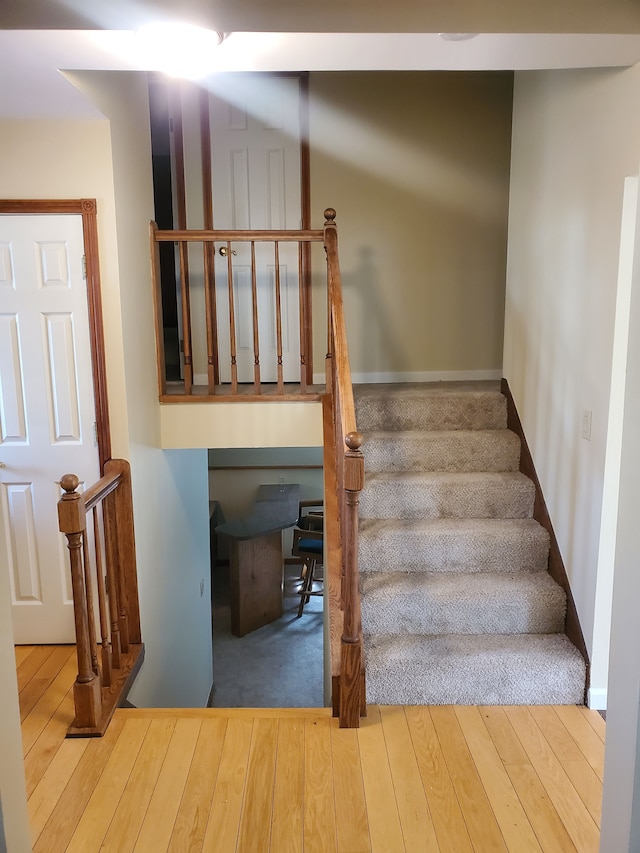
{"x": 444, "y": 450}
{"x": 478, "y": 603}
{"x": 447, "y": 495}
{"x": 445, "y": 406}
{"x": 453, "y": 545}
{"x": 526, "y": 669}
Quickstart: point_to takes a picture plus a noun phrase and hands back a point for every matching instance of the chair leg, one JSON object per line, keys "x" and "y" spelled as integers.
{"x": 306, "y": 587}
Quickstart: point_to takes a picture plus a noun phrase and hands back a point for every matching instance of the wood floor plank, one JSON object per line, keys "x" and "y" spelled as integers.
{"x": 191, "y": 820}
{"x": 106, "y": 796}
{"x": 55, "y": 777}
{"x": 512, "y": 819}
{"x": 382, "y": 808}
{"x": 415, "y": 819}
{"x": 32, "y": 663}
{"x": 549, "y": 829}
{"x": 451, "y": 830}
{"x": 319, "y": 811}
{"x": 255, "y": 821}
{"x": 352, "y": 825}
{"x": 232, "y": 713}
{"x": 22, "y": 653}
{"x": 288, "y": 796}
{"x": 48, "y": 742}
{"x": 477, "y": 812}
{"x": 160, "y": 818}
{"x": 589, "y": 787}
{"x": 44, "y": 677}
{"x": 556, "y": 734}
{"x": 566, "y": 800}
{"x": 596, "y": 721}
{"x": 503, "y": 736}
{"x": 45, "y": 709}
{"x": 124, "y": 828}
{"x": 224, "y": 817}
{"x": 589, "y": 742}
{"x": 71, "y": 805}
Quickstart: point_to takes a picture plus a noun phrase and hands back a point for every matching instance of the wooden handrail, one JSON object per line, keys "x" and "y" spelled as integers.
{"x": 349, "y": 683}
{"x": 201, "y": 236}
{"x": 102, "y": 563}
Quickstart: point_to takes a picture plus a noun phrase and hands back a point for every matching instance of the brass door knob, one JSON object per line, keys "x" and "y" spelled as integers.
{"x": 224, "y": 251}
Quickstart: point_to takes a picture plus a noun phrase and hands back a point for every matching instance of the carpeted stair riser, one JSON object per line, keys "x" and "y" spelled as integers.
{"x": 405, "y": 409}
{"x": 523, "y": 669}
{"x": 480, "y": 603}
{"x": 453, "y": 450}
{"x": 444, "y": 495}
{"x": 453, "y": 545}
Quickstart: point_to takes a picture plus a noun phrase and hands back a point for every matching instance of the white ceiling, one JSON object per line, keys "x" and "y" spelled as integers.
{"x": 31, "y": 85}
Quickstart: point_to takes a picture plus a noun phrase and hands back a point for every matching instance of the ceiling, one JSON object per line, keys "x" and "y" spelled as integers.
{"x": 31, "y": 60}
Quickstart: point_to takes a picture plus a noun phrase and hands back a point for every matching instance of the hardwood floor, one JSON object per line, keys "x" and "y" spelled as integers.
{"x": 411, "y": 778}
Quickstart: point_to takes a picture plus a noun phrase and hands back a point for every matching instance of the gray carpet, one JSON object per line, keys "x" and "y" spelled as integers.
{"x": 457, "y": 602}
{"x": 278, "y": 666}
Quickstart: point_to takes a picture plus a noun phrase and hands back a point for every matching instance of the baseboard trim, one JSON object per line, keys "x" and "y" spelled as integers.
{"x": 541, "y": 514}
{"x": 597, "y": 698}
{"x": 418, "y": 376}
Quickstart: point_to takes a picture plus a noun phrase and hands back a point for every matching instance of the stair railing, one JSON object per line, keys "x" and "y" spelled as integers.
{"x": 348, "y": 682}
{"x": 260, "y": 254}
{"x": 103, "y": 566}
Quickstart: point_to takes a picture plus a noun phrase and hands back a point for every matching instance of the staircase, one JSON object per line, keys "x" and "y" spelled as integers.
{"x": 457, "y": 603}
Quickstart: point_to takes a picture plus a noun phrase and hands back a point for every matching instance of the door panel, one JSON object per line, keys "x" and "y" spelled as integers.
{"x": 255, "y": 139}
{"x": 47, "y": 413}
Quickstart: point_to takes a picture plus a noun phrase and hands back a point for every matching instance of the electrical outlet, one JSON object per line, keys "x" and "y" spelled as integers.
{"x": 201, "y": 587}
{"x": 586, "y": 424}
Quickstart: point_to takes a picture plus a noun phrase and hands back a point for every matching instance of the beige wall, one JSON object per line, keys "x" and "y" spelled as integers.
{"x": 417, "y": 167}
{"x": 576, "y": 135}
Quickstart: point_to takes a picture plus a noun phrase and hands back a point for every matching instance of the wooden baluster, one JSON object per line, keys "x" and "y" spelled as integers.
{"x": 232, "y": 323}
{"x": 256, "y": 339}
{"x": 351, "y": 651}
{"x": 278, "y": 320}
{"x": 127, "y": 569}
{"x": 157, "y": 311}
{"x": 186, "y": 317}
{"x": 303, "y": 325}
{"x": 102, "y": 605}
{"x": 88, "y": 588}
{"x": 72, "y": 522}
{"x": 111, "y": 554}
{"x": 211, "y": 318}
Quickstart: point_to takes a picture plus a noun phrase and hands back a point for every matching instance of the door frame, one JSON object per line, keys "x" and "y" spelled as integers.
{"x": 87, "y": 208}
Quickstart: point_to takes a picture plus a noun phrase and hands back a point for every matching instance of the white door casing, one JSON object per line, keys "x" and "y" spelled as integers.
{"x": 47, "y": 413}
{"x": 256, "y": 184}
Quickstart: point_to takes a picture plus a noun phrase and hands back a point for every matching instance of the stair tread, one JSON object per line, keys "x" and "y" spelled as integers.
{"x": 496, "y": 669}
{"x": 471, "y": 603}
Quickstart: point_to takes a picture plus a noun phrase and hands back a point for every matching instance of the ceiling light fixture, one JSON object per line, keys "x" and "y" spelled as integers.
{"x": 180, "y": 50}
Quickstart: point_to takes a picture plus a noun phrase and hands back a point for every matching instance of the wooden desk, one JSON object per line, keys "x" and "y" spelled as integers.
{"x": 256, "y": 562}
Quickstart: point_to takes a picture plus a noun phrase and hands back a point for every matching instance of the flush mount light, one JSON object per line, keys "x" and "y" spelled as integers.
{"x": 181, "y": 50}
{"x": 457, "y": 36}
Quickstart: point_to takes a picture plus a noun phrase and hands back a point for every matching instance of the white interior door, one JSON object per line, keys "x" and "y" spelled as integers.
{"x": 47, "y": 413}
{"x": 255, "y": 140}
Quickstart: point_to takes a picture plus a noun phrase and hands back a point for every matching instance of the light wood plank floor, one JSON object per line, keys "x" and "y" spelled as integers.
{"x": 410, "y": 779}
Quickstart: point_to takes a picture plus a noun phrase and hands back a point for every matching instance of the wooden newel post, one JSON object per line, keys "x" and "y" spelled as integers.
{"x": 351, "y": 651}
{"x": 72, "y": 522}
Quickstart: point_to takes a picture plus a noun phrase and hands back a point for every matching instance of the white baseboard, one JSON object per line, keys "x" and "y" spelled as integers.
{"x": 597, "y": 698}
{"x": 419, "y": 376}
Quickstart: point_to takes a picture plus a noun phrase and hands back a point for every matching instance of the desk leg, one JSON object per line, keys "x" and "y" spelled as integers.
{"x": 256, "y": 582}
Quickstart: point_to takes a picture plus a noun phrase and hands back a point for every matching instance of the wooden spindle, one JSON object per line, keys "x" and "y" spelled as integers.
{"x": 185, "y": 301}
{"x": 72, "y": 522}
{"x": 302, "y": 300}
{"x": 232, "y": 322}
{"x": 111, "y": 555}
{"x": 256, "y": 337}
{"x": 88, "y": 588}
{"x": 210, "y": 316}
{"x": 278, "y": 319}
{"x": 102, "y": 604}
{"x": 129, "y": 603}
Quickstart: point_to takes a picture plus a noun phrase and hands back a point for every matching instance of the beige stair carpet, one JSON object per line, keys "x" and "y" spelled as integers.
{"x": 457, "y": 603}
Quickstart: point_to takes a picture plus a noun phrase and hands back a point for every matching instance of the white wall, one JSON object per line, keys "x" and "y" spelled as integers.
{"x": 576, "y": 135}
{"x": 169, "y": 489}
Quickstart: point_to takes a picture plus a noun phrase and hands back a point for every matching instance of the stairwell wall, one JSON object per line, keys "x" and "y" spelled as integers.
{"x": 576, "y": 136}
